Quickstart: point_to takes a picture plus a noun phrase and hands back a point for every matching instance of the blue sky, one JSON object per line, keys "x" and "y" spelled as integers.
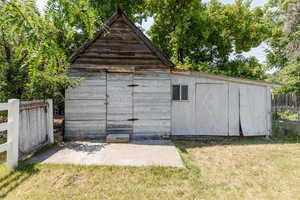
{"x": 258, "y": 52}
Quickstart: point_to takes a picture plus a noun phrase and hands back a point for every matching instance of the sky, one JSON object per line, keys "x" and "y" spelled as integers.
{"x": 258, "y": 52}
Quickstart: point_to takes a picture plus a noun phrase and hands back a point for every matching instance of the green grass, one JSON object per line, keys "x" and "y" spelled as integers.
{"x": 230, "y": 169}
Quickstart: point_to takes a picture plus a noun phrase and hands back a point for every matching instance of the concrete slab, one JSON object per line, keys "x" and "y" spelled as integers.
{"x": 135, "y": 153}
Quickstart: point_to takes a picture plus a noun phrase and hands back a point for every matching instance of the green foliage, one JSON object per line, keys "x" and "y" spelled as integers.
{"x": 286, "y": 115}
{"x": 284, "y": 51}
{"x": 34, "y": 47}
{"x": 33, "y": 59}
{"x": 74, "y": 22}
{"x": 209, "y": 33}
{"x": 239, "y": 67}
{"x": 289, "y": 76}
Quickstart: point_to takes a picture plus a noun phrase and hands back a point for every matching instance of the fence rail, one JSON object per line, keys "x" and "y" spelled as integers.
{"x": 12, "y": 128}
{"x": 29, "y": 126}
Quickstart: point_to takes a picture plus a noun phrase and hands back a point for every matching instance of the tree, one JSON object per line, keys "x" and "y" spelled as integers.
{"x": 77, "y": 20}
{"x": 33, "y": 64}
{"x": 284, "y": 51}
{"x": 210, "y": 33}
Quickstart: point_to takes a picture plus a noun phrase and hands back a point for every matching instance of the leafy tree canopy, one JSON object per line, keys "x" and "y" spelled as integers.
{"x": 33, "y": 61}
{"x": 34, "y": 47}
{"x": 208, "y": 32}
{"x": 284, "y": 52}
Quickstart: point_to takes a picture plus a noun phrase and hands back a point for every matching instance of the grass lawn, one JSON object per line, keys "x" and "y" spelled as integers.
{"x": 231, "y": 169}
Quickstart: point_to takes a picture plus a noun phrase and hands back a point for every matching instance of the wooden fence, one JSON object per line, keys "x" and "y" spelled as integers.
{"x": 29, "y": 126}
{"x": 36, "y": 125}
{"x": 283, "y": 102}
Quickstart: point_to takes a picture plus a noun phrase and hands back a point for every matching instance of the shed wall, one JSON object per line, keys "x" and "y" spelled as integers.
{"x": 213, "y": 107}
{"x": 152, "y": 103}
{"x": 102, "y": 105}
{"x": 85, "y": 109}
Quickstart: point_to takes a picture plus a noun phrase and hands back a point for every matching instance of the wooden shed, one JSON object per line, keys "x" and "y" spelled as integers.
{"x": 130, "y": 87}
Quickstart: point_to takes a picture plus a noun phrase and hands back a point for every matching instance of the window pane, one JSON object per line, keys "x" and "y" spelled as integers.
{"x": 184, "y": 92}
{"x": 176, "y": 92}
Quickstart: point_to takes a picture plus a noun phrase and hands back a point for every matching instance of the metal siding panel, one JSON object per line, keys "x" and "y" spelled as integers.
{"x": 253, "y": 110}
{"x": 212, "y": 109}
{"x": 269, "y": 110}
{"x": 183, "y": 112}
{"x": 234, "y": 110}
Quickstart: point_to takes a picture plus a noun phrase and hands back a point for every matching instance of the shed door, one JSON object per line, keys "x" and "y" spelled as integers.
{"x": 211, "y": 109}
{"x": 119, "y": 103}
{"x": 253, "y": 115}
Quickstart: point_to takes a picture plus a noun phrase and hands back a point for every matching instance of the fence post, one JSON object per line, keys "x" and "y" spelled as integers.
{"x": 50, "y": 121}
{"x": 13, "y": 133}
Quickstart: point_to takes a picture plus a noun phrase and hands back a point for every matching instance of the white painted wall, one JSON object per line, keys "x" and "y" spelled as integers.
{"x": 214, "y": 108}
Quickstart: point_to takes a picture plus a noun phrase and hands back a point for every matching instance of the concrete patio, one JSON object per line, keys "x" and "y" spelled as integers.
{"x": 135, "y": 153}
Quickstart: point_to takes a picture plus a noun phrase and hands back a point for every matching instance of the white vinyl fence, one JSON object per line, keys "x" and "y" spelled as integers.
{"x": 12, "y": 128}
{"x": 29, "y": 126}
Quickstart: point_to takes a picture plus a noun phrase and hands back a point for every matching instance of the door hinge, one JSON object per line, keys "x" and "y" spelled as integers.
{"x": 133, "y": 85}
{"x": 133, "y": 119}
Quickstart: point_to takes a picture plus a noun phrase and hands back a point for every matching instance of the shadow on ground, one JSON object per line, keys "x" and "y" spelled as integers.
{"x": 14, "y": 178}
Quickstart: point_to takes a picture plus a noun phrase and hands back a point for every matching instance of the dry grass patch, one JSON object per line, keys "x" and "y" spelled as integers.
{"x": 36, "y": 182}
{"x": 247, "y": 169}
{"x": 239, "y": 169}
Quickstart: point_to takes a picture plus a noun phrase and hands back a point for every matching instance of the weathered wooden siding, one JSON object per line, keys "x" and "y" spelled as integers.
{"x": 85, "y": 108}
{"x": 137, "y": 103}
{"x": 119, "y": 103}
{"x": 118, "y": 48}
{"x": 130, "y": 95}
{"x": 152, "y": 103}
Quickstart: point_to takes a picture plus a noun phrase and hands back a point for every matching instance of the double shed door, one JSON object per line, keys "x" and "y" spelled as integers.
{"x": 119, "y": 103}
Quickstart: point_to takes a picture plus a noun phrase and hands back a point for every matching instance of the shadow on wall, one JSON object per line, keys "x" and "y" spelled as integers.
{"x": 11, "y": 180}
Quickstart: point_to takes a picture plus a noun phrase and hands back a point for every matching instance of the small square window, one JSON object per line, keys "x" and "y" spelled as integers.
{"x": 176, "y": 92}
{"x": 180, "y": 92}
{"x": 184, "y": 92}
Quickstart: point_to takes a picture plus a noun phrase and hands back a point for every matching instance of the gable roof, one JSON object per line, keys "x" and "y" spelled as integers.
{"x": 135, "y": 29}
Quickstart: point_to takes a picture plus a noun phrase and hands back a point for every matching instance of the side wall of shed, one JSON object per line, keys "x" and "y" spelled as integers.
{"x": 213, "y": 107}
